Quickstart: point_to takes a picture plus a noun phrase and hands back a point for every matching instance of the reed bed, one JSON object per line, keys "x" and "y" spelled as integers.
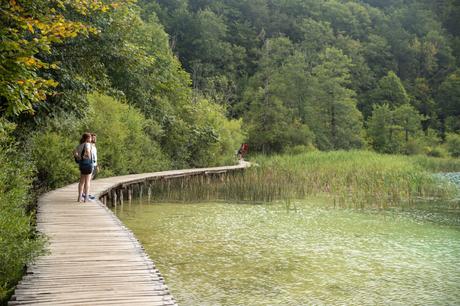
{"x": 356, "y": 178}
{"x": 437, "y": 164}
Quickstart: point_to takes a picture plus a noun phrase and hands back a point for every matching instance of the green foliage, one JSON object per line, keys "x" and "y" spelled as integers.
{"x": 449, "y": 101}
{"x": 396, "y": 131}
{"x": 267, "y": 123}
{"x": 28, "y": 30}
{"x": 124, "y": 147}
{"x": 453, "y": 144}
{"x": 141, "y": 64}
{"x": 350, "y": 179}
{"x": 437, "y": 164}
{"x": 213, "y": 138}
{"x": 301, "y": 74}
{"x": 231, "y": 137}
{"x": 398, "y": 53}
{"x": 452, "y": 124}
{"x": 233, "y": 49}
{"x": 52, "y": 156}
{"x": 18, "y": 243}
{"x": 292, "y": 103}
{"x": 380, "y": 128}
{"x": 299, "y": 149}
{"x": 125, "y": 143}
{"x": 437, "y": 151}
{"x": 429, "y": 143}
{"x": 336, "y": 121}
{"x": 409, "y": 119}
{"x": 423, "y": 101}
{"x": 378, "y": 55}
{"x": 276, "y": 116}
{"x": 390, "y": 90}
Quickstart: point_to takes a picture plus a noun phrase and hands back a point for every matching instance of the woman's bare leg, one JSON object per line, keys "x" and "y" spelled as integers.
{"x": 80, "y": 186}
{"x": 87, "y": 185}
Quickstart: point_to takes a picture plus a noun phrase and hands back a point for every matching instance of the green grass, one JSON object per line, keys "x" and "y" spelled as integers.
{"x": 353, "y": 178}
{"x": 437, "y": 164}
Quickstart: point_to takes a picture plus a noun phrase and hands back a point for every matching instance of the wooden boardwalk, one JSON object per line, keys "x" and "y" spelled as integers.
{"x": 93, "y": 259}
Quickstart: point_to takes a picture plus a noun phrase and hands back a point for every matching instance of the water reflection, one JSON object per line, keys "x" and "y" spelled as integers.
{"x": 245, "y": 254}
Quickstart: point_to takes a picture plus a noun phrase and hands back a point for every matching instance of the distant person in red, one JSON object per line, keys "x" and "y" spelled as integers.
{"x": 243, "y": 150}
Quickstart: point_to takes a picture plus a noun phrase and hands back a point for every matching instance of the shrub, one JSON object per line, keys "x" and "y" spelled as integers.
{"x": 299, "y": 149}
{"x": 453, "y": 144}
{"x": 123, "y": 145}
{"x": 214, "y": 139}
{"x": 437, "y": 151}
{"x": 18, "y": 244}
{"x": 52, "y": 154}
{"x": 414, "y": 147}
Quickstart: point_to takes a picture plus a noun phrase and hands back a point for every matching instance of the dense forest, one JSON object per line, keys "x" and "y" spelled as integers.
{"x": 328, "y": 74}
{"x": 181, "y": 83}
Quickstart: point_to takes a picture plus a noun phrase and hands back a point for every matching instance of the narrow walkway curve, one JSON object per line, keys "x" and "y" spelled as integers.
{"x": 93, "y": 259}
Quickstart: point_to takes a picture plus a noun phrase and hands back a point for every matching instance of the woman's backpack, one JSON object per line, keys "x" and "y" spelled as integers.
{"x": 76, "y": 155}
{"x": 85, "y": 163}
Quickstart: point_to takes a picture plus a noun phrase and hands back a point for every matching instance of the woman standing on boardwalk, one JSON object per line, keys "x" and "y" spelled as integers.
{"x": 94, "y": 156}
{"x": 84, "y": 154}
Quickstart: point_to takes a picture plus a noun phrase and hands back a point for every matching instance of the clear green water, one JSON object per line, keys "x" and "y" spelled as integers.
{"x": 249, "y": 254}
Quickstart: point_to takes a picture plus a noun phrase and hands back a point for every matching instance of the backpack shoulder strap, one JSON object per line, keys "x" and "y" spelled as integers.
{"x": 83, "y": 152}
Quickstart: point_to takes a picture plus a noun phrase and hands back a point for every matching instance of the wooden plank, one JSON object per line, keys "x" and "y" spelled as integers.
{"x": 93, "y": 259}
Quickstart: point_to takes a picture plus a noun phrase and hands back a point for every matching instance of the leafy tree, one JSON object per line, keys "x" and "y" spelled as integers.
{"x": 448, "y": 99}
{"x": 291, "y": 83}
{"x": 453, "y": 144}
{"x": 422, "y": 100}
{"x": 362, "y": 78}
{"x": 336, "y": 121}
{"x": 394, "y": 131}
{"x": 125, "y": 146}
{"x": 29, "y": 29}
{"x": 389, "y": 90}
{"x": 316, "y": 35}
{"x": 267, "y": 122}
{"x": 377, "y": 52}
{"x": 272, "y": 115}
{"x": 266, "y": 118}
{"x": 398, "y": 42}
{"x": 213, "y": 139}
{"x": 380, "y": 128}
{"x": 409, "y": 119}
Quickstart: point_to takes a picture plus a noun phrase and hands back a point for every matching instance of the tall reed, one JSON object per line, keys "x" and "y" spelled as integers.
{"x": 356, "y": 178}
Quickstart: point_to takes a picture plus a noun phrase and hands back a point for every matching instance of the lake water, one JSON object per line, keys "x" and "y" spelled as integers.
{"x": 267, "y": 254}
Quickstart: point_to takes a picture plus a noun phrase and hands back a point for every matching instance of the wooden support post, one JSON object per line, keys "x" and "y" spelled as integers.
{"x": 121, "y": 196}
{"x": 130, "y": 194}
{"x": 149, "y": 193}
{"x": 141, "y": 191}
{"x": 114, "y": 198}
